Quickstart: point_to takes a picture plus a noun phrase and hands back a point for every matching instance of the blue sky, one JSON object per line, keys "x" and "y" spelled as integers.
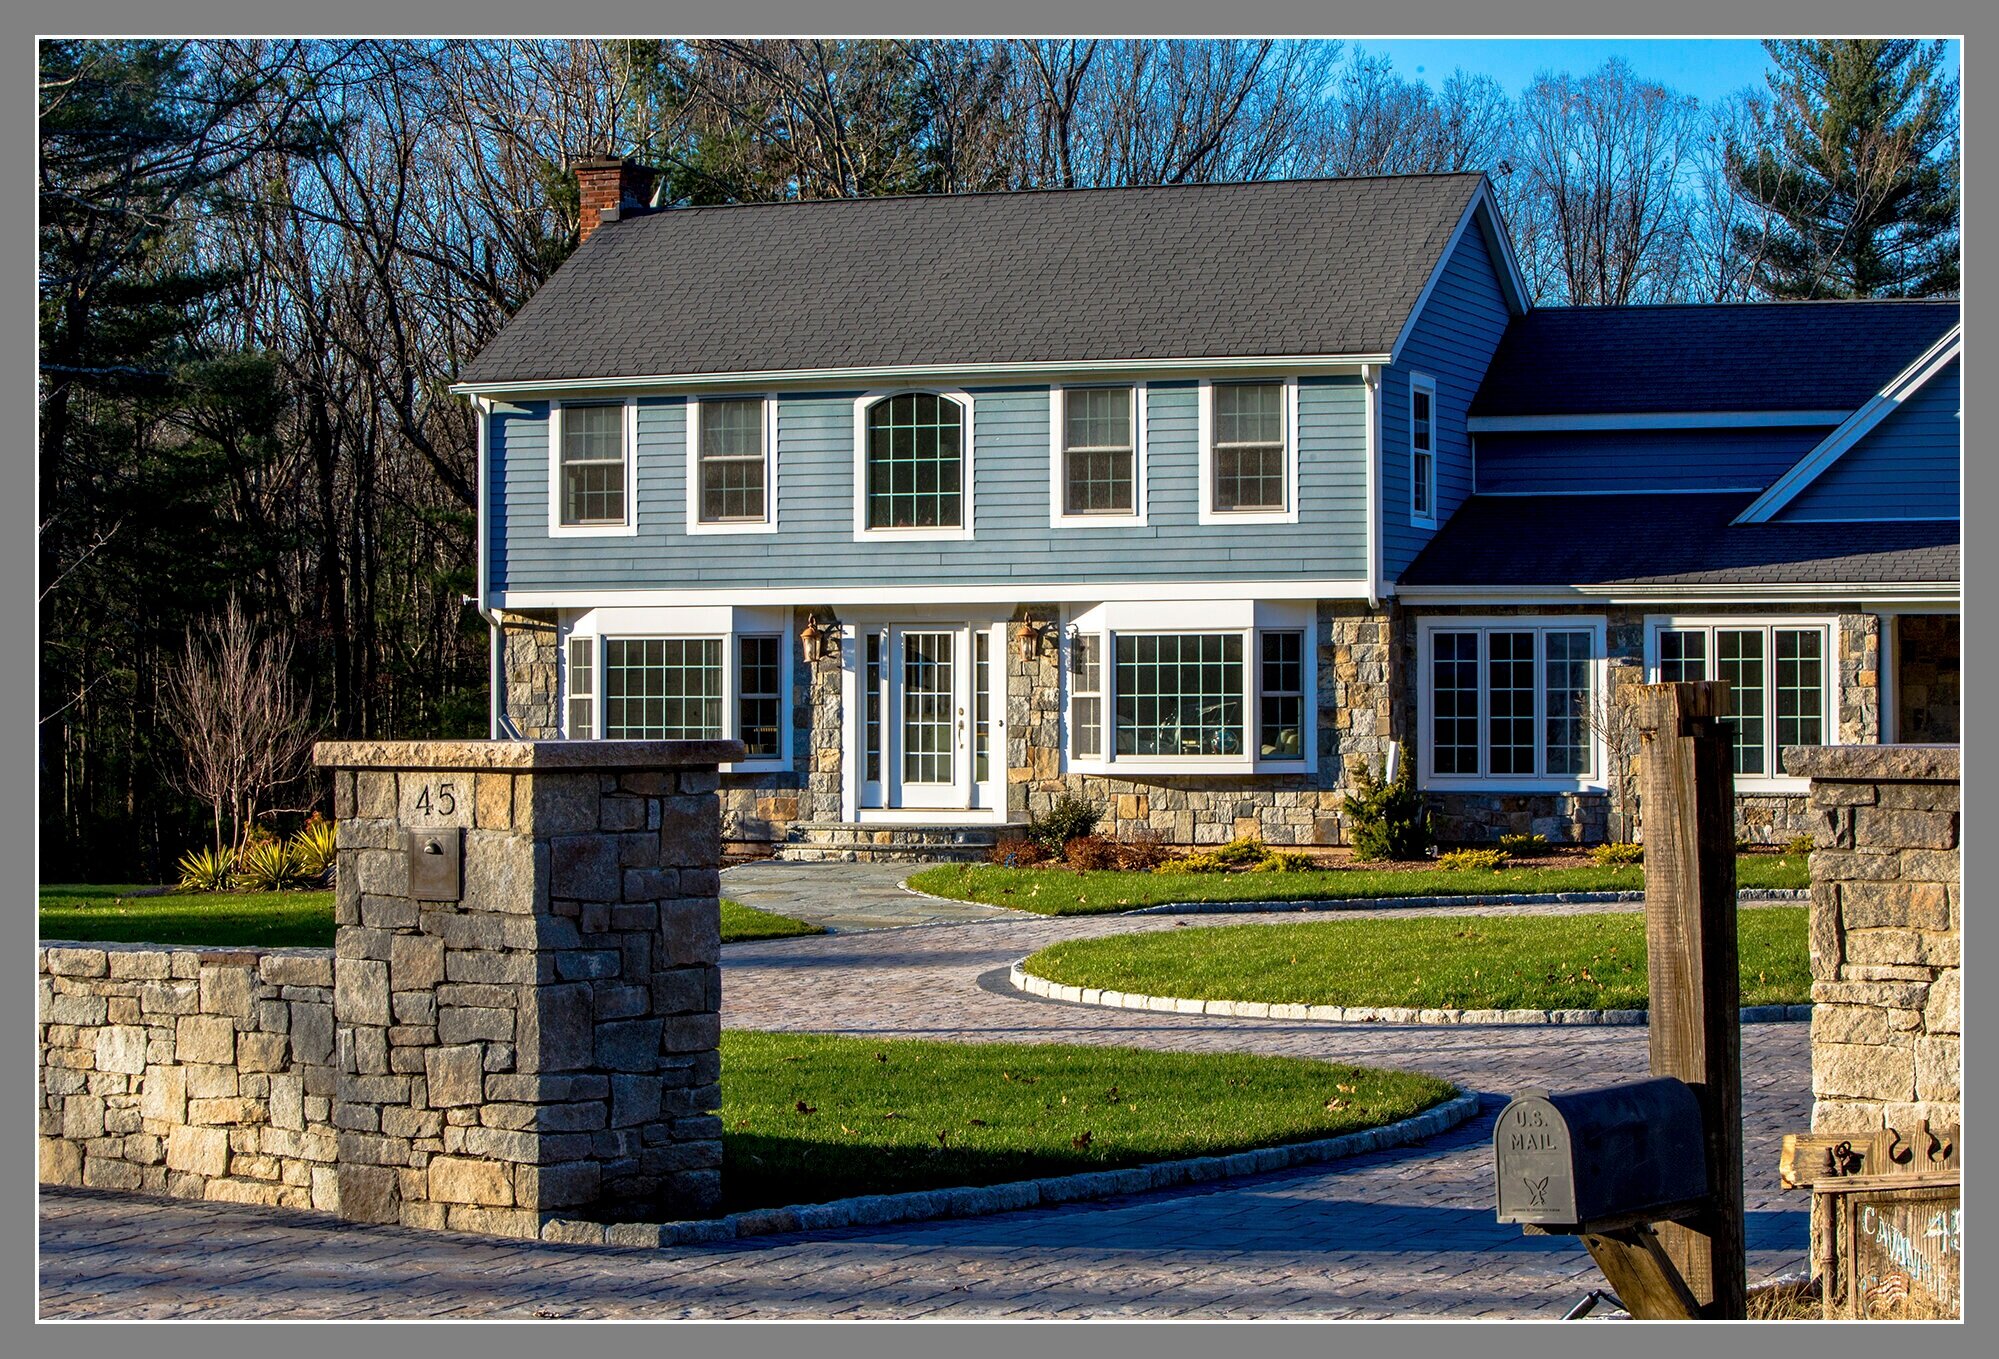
{"x": 1707, "y": 68}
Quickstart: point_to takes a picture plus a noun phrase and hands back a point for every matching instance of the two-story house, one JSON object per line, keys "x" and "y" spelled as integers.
{"x": 1183, "y": 500}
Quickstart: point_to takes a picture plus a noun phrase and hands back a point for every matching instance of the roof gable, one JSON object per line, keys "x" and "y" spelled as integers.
{"x": 1330, "y": 267}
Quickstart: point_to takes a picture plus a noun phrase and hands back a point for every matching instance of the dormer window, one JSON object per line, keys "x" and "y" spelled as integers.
{"x": 913, "y": 466}
{"x": 1422, "y": 450}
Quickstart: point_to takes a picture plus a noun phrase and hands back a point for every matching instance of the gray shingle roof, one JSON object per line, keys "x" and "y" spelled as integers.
{"x": 1671, "y": 540}
{"x": 1329, "y": 266}
{"x": 1746, "y": 356}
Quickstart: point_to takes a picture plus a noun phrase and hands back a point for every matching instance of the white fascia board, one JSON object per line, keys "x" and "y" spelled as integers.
{"x": 1640, "y": 420}
{"x": 1807, "y": 469}
{"x": 1871, "y": 592}
{"x": 1014, "y": 592}
{"x": 1510, "y": 281}
{"x": 1077, "y": 371}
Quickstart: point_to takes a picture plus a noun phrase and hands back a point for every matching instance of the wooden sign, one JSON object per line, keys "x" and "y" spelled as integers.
{"x": 1900, "y": 1244}
{"x": 1812, "y": 1159}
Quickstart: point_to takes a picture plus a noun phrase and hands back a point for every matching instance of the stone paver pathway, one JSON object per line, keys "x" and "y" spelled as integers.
{"x": 846, "y": 897}
{"x": 1399, "y": 1233}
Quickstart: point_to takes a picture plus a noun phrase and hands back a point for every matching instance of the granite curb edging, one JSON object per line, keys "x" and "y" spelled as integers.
{"x": 1025, "y": 981}
{"x": 873, "y": 1210}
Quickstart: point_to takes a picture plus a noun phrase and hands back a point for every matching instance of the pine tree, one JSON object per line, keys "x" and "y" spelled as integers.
{"x": 1856, "y": 162}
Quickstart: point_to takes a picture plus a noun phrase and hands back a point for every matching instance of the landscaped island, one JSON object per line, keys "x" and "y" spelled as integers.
{"x": 1460, "y": 962}
{"x": 808, "y": 1118}
{"x": 117, "y": 913}
{"x": 1064, "y": 891}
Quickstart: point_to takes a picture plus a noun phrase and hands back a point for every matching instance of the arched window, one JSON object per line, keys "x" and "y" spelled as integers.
{"x": 915, "y": 462}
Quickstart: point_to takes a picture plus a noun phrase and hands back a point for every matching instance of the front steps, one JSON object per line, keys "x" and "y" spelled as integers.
{"x": 865, "y": 842}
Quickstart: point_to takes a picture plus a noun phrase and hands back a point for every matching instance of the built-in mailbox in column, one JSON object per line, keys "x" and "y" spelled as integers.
{"x": 526, "y": 992}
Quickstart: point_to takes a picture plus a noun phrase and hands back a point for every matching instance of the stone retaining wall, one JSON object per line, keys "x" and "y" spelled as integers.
{"x": 1886, "y": 916}
{"x": 199, "y": 1073}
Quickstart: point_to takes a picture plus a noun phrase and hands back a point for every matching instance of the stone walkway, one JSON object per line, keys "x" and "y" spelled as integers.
{"x": 1394, "y": 1234}
{"x": 846, "y": 897}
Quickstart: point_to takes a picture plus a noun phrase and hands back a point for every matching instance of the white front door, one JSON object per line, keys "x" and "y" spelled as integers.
{"x": 930, "y": 704}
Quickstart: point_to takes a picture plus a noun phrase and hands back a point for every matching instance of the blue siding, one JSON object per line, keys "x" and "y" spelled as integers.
{"x": 1452, "y": 341}
{"x": 1013, "y": 540}
{"x": 1634, "y": 459}
{"x": 1906, "y": 467}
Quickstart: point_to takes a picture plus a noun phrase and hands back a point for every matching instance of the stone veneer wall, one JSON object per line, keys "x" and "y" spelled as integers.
{"x": 199, "y": 1073}
{"x": 1886, "y": 917}
{"x": 1927, "y": 689}
{"x": 530, "y": 661}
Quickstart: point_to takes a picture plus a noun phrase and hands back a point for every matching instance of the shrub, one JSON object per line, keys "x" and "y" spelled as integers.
{"x": 1091, "y": 853}
{"x": 1387, "y": 821}
{"x": 1523, "y": 844}
{"x": 1798, "y": 845}
{"x": 1241, "y": 853}
{"x": 1618, "y": 853}
{"x": 205, "y": 870}
{"x": 1016, "y": 851}
{"x": 1067, "y": 819}
{"x": 313, "y": 847}
{"x": 268, "y": 866}
{"x": 1284, "y": 861}
{"x": 1143, "y": 853}
{"x": 1483, "y": 860}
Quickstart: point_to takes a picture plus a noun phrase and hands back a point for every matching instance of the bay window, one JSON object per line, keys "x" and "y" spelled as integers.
{"x": 1778, "y": 673}
{"x": 1510, "y": 702}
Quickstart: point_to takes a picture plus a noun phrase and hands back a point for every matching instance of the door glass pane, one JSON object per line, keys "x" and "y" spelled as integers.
{"x": 929, "y": 693}
{"x": 1510, "y": 688}
{"x": 1454, "y": 702}
{"x": 982, "y": 672}
{"x": 1739, "y": 660}
{"x": 1179, "y": 694}
{"x": 1800, "y": 687}
{"x": 873, "y": 704}
{"x": 663, "y": 688}
{"x": 1569, "y": 699}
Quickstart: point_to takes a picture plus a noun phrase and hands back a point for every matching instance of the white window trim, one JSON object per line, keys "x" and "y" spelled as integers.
{"x": 768, "y": 524}
{"x": 1058, "y": 499}
{"x": 1268, "y": 618}
{"x": 1594, "y": 782}
{"x": 1770, "y": 782}
{"x": 967, "y": 483}
{"x": 630, "y": 527}
{"x": 1422, "y": 382}
{"x": 600, "y": 630}
{"x": 1207, "y": 514}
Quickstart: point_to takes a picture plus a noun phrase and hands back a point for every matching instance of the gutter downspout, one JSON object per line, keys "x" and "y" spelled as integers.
{"x": 496, "y": 675}
{"x": 1370, "y": 379}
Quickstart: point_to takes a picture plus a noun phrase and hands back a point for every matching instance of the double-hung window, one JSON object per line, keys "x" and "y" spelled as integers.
{"x": 668, "y": 688}
{"x": 591, "y": 475}
{"x": 1098, "y": 472}
{"x": 913, "y": 466}
{"x": 730, "y": 467}
{"x": 1422, "y": 450}
{"x": 1511, "y": 702}
{"x": 1249, "y": 454}
{"x": 1779, "y": 674}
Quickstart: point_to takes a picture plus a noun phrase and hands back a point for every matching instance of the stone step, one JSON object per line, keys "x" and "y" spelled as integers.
{"x": 852, "y": 842}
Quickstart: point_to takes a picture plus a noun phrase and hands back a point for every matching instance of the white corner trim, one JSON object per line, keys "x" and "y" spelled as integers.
{"x": 1883, "y": 404}
{"x": 768, "y": 524}
{"x": 966, "y": 481}
{"x": 1206, "y": 513}
{"x": 1370, "y": 383}
{"x": 1423, "y": 382}
{"x": 1642, "y": 420}
{"x": 630, "y": 527}
{"x": 1058, "y": 517}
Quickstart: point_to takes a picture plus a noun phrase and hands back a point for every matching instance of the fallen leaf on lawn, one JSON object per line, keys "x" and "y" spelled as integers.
{"x": 891, "y": 1114}
{"x": 881, "y": 1056}
{"x": 943, "y": 1137}
{"x": 1110, "y": 1095}
{"x": 742, "y": 1123}
{"x": 1065, "y": 1099}
{"x": 847, "y": 1130}
{"x": 1334, "y": 1105}
{"x": 1346, "y": 1089}
{"x": 805, "y": 1108}
{"x": 978, "y": 1123}
{"x": 791, "y": 1059}
{"x": 1079, "y": 1143}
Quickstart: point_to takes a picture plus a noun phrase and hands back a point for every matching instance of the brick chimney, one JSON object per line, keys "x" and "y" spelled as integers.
{"x": 611, "y": 188}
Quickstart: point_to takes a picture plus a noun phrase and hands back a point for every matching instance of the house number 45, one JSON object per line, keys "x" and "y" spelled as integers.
{"x": 445, "y": 803}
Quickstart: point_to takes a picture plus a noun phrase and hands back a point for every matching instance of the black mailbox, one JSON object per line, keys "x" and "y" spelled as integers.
{"x": 1596, "y": 1160}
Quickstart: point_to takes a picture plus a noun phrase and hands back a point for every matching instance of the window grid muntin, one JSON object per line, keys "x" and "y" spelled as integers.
{"x": 1281, "y": 696}
{"x": 582, "y": 688}
{"x": 731, "y": 460}
{"x": 1800, "y": 687}
{"x": 1763, "y": 709}
{"x": 759, "y": 696}
{"x": 593, "y": 463}
{"x": 1099, "y": 451}
{"x": 873, "y": 743}
{"x": 1454, "y": 703}
{"x": 1472, "y": 689}
{"x": 929, "y": 695}
{"x": 915, "y": 462}
{"x": 1168, "y": 684}
{"x": 1248, "y": 447}
{"x": 1086, "y": 697}
{"x": 663, "y": 688}
{"x": 1510, "y": 702}
{"x": 982, "y": 732}
{"x": 1742, "y": 658}
{"x": 1568, "y": 684}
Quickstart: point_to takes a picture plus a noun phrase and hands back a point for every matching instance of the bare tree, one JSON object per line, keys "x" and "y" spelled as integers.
{"x": 1377, "y": 123}
{"x": 1729, "y": 232}
{"x": 245, "y": 728}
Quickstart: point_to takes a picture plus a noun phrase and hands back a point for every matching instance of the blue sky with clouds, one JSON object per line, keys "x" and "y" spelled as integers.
{"x": 1707, "y": 68}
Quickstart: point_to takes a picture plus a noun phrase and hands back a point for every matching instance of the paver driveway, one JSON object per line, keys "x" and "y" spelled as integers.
{"x": 1399, "y": 1233}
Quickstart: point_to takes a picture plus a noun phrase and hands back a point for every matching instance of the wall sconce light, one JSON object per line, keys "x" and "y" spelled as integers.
{"x": 820, "y": 639}
{"x": 1034, "y": 637}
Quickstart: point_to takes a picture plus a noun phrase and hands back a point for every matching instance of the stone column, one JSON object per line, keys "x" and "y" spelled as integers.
{"x": 545, "y": 1044}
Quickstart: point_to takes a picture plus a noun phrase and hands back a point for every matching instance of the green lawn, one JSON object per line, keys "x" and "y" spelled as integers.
{"x": 891, "y": 1115}
{"x": 1063, "y": 891}
{"x": 1572, "y": 962}
{"x": 109, "y": 913}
